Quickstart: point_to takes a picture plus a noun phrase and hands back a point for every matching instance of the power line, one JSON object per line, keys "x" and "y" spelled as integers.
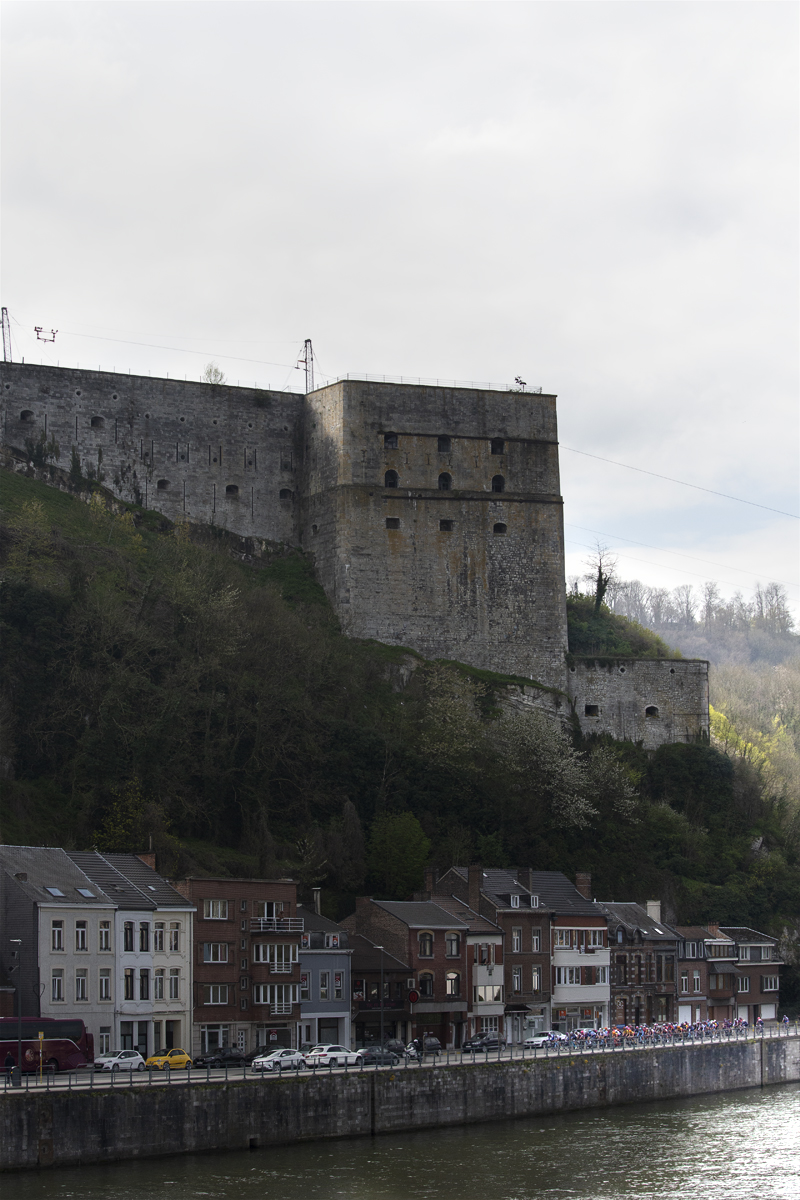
{"x": 179, "y": 349}
{"x": 677, "y": 553}
{"x": 682, "y": 482}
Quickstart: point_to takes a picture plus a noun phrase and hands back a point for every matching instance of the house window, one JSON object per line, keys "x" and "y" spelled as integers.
{"x": 534, "y": 901}
{"x": 696, "y": 981}
{"x": 453, "y": 983}
{"x": 602, "y": 975}
{"x": 516, "y": 940}
{"x": 324, "y": 984}
{"x": 563, "y": 939}
{"x": 744, "y": 953}
{"x": 498, "y": 483}
{"x": 332, "y": 941}
{"x": 426, "y": 945}
{"x": 215, "y": 952}
{"x": 158, "y": 936}
{"x": 743, "y": 983}
{"x": 445, "y": 482}
{"x": 536, "y": 981}
{"x": 500, "y": 527}
{"x": 498, "y": 446}
{"x": 536, "y": 941}
{"x": 338, "y": 985}
{"x": 305, "y": 985}
{"x": 515, "y": 901}
{"x": 280, "y": 957}
{"x": 57, "y": 939}
{"x": 128, "y": 982}
{"x": 452, "y": 944}
{"x": 485, "y": 954}
{"x": 769, "y": 983}
{"x": 156, "y": 1036}
{"x": 426, "y": 984}
{"x": 443, "y": 445}
{"x": 144, "y": 936}
{"x": 690, "y": 949}
{"x": 766, "y": 953}
{"x": 215, "y": 910}
{"x": 80, "y": 935}
{"x": 105, "y": 1039}
{"x": 446, "y": 526}
{"x": 104, "y": 936}
{"x": 265, "y": 910}
{"x": 390, "y": 441}
{"x": 57, "y": 985}
{"x": 568, "y": 976}
{"x": 144, "y": 984}
{"x": 392, "y": 522}
{"x": 158, "y": 984}
{"x": 175, "y": 983}
{"x": 215, "y": 993}
{"x": 127, "y": 936}
{"x": 175, "y": 936}
{"x": 82, "y": 984}
{"x": 516, "y": 979}
{"x": 391, "y": 479}
{"x": 104, "y": 991}
{"x": 594, "y": 937}
{"x": 684, "y": 981}
{"x": 488, "y": 993}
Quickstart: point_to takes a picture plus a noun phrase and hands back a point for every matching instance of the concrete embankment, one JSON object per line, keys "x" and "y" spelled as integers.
{"x": 63, "y": 1128}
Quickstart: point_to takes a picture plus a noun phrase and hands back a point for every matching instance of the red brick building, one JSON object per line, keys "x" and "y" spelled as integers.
{"x": 434, "y": 944}
{"x": 246, "y": 966}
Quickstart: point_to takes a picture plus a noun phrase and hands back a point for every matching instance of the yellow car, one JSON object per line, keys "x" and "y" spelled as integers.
{"x": 169, "y": 1060}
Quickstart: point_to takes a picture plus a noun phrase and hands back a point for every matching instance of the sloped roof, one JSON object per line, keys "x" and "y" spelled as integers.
{"x": 50, "y": 866}
{"x": 367, "y": 957}
{"x": 148, "y": 881}
{"x": 634, "y": 916}
{"x": 699, "y": 933}
{"x": 741, "y": 933}
{"x": 420, "y": 914}
{"x": 315, "y": 922}
{"x": 461, "y": 910}
{"x": 556, "y": 893}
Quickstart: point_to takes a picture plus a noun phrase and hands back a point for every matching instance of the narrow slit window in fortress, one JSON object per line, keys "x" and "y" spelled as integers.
{"x": 445, "y": 482}
{"x": 231, "y": 490}
{"x": 651, "y": 711}
{"x": 392, "y": 522}
{"x": 390, "y": 479}
{"x": 447, "y": 526}
{"x": 390, "y": 441}
{"x": 500, "y": 527}
{"x": 591, "y": 710}
{"x": 498, "y": 446}
{"x": 498, "y": 483}
{"x": 444, "y": 445}
{"x": 284, "y": 494}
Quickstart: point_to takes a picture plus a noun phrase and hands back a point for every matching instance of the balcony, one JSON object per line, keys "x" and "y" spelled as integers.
{"x": 280, "y": 968}
{"x": 276, "y": 925}
{"x": 280, "y": 1010}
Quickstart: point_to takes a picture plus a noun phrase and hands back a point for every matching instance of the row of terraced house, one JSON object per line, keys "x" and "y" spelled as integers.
{"x": 200, "y": 963}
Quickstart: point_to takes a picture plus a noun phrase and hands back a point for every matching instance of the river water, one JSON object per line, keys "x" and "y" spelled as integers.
{"x": 727, "y": 1147}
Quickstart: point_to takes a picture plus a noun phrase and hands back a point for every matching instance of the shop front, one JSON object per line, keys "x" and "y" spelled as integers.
{"x": 576, "y": 1016}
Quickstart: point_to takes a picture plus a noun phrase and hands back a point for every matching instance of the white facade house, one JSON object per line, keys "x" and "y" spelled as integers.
{"x": 581, "y": 995}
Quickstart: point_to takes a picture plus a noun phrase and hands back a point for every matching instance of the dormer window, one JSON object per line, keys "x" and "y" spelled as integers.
{"x": 534, "y": 901}
{"x": 515, "y": 901}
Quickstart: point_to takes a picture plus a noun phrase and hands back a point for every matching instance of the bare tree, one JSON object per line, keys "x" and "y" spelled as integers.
{"x": 212, "y": 374}
{"x": 602, "y": 571}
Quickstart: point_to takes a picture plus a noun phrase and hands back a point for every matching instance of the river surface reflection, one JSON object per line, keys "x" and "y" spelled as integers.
{"x": 725, "y": 1147}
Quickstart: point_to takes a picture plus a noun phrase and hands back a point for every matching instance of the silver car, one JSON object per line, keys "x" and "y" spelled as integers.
{"x": 279, "y": 1060}
{"x": 119, "y": 1060}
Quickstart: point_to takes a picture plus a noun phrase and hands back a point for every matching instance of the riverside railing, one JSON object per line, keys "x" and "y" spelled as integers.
{"x": 89, "y": 1080}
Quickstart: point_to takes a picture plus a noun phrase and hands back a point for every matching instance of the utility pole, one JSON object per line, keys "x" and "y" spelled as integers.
{"x": 307, "y": 359}
{"x": 16, "y": 1074}
{"x": 7, "y": 337}
{"x": 381, "y": 950}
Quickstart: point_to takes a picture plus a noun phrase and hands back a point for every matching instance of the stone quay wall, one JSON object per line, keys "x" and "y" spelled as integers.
{"x": 63, "y": 1128}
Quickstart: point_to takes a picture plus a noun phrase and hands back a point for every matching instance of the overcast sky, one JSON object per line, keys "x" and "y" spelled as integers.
{"x": 599, "y": 197}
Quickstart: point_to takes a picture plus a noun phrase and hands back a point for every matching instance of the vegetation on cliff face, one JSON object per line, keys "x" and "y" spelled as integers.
{"x": 595, "y": 629}
{"x": 159, "y": 690}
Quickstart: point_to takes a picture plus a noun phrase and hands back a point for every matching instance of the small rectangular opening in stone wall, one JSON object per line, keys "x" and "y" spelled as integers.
{"x": 591, "y": 710}
{"x": 392, "y": 522}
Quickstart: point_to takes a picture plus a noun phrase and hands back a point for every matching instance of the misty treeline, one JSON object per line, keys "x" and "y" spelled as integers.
{"x": 159, "y": 692}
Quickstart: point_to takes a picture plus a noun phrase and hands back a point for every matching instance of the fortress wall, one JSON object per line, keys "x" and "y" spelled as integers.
{"x": 492, "y": 599}
{"x": 196, "y": 439}
{"x": 622, "y": 689}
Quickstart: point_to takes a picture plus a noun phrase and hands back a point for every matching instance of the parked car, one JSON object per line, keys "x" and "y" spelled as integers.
{"x": 119, "y": 1060}
{"x": 546, "y": 1038}
{"x": 279, "y": 1060}
{"x": 484, "y": 1042}
{"x": 329, "y": 1055}
{"x": 372, "y": 1055}
{"x": 221, "y": 1057}
{"x": 394, "y": 1046}
{"x": 170, "y": 1060}
{"x": 431, "y": 1046}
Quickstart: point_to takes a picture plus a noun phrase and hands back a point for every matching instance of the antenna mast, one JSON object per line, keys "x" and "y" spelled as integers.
{"x": 6, "y": 337}
{"x": 307, "y": 359}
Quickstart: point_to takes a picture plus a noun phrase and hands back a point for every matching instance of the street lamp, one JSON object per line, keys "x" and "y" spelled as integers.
{"x": 16, "y": 1074}
{"x": 382, "y": 995}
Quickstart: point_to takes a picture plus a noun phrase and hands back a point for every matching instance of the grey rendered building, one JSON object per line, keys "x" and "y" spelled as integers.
{"x": 324, "y": 980}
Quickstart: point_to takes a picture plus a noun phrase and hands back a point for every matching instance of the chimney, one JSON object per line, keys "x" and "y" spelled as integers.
{"x": 531, "y": 888}
{"x": 149, "y": 859}
{"x": 431, "y": 879}
{"x": 654, "y": 910}
{"x": 583, "y": 882}
{"x": 474, "y": 885}
{"x": 317, "y": 904}
{"x": 713, "y": 928}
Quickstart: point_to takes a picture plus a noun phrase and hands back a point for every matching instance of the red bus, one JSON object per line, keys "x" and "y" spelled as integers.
{"x": 65, "y": 1047}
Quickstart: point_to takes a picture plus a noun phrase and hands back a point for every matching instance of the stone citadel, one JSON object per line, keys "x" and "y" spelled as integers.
{"x": 432, "y": 515}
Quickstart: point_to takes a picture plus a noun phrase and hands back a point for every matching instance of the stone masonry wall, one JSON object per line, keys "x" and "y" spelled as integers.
{"x": 648, "y": 700}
